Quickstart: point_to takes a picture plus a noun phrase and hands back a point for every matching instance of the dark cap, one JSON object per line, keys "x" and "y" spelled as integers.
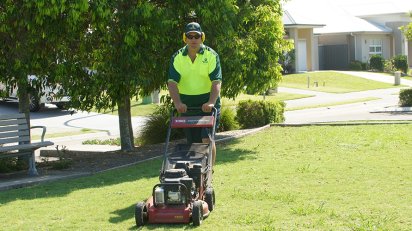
{"x": 193, "y": 27}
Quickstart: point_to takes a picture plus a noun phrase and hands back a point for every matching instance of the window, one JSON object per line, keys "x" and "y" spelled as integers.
{"x": 375, "y": 47}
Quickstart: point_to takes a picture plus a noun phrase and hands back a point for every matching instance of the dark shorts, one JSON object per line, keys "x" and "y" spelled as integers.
{"x": 195, "y": 135}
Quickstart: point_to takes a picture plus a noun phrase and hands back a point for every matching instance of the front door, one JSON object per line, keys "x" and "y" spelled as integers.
{"x": 302, "y": 62}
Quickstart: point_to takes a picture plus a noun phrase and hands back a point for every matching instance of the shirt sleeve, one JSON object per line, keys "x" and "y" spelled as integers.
{"x": 174, "y": 74}
{"x": 216, "y": 74}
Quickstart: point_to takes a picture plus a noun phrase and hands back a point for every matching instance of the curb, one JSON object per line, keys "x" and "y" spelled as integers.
{"x": 31, "y": 181}
{"x": 341, "y": 124}
{"x": 393, "y": 110}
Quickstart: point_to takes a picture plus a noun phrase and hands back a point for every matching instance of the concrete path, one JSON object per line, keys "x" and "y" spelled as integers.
{"x": 64, "y": 122}
{"x": 387, "y": 104}
{"x": 384, "y": 108}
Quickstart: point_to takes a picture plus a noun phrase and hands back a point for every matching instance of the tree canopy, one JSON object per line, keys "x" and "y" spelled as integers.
{"x": 31, "y": 35}
{"x": 408, "y": 29}
{"x": 106, "y": 52}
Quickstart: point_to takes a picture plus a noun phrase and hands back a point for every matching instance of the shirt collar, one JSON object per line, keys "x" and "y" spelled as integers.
{"x": 200, "y": 51}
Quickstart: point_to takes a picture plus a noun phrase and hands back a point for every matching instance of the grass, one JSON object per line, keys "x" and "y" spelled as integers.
{"x": 113, "y": 142}
{"x": 283, "y": 178}
{"x": 333, "y": 104}
{"x": 332, "y": 82}
{"x": 137, "y": 108}
{"x": 281, "y": 96}
{"x": 407, "y": 78}
{"x": 36, "y": 136}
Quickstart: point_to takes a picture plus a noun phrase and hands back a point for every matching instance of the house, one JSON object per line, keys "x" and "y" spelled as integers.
{"x": 329, "y": 34}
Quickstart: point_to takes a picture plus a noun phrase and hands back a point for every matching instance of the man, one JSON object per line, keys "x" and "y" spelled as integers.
{"x": 195, "y": 78}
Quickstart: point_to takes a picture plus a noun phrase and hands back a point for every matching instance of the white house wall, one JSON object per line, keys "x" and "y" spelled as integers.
{"x": 315, "y": 53}
{"x": 410, "y": 53}
{"x": 352, "y": 47}
{"x": 365, "y": 42}
{"x": 398, "y": 37}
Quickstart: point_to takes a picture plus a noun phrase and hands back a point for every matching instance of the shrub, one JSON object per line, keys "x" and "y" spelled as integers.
{"x": 365, "y": 66}
{"x": 389, "y": 67}
{"x": 400, "y": 62}
{"x": 287, "y": 62}
{"x": 405, "y": 97}
{"x": 252, "y": 114}
{"x": 155, "y": 129}
{"x": 355, "y": 65}
{"x": 11, "y": 164}
{"x": 376, "y": 63}
{"x": 227, "y": 120}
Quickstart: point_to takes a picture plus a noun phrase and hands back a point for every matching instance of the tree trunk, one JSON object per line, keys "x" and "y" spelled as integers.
{"x": 23, "y": 96}
{"x": 125, "y": 124}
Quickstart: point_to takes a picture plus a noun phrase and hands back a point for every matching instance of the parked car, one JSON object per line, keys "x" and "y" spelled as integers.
{"x": 37, "y": 99}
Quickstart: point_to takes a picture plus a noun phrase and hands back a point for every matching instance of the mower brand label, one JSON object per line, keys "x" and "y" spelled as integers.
{"x": 193, "y": 121}
{"x": 179, "y": 217}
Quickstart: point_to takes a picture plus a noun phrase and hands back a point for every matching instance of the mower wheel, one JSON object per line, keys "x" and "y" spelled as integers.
{"x": 140, "y": 214}
{"x": 210, "y": 198}
{"x": 197, "y": 213}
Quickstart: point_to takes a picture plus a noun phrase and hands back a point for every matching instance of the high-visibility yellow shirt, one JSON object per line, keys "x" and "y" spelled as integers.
{"x": 194, "y": 79}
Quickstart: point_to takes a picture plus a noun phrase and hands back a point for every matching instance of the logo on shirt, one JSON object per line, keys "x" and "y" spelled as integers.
{"x": 204, "y": 60}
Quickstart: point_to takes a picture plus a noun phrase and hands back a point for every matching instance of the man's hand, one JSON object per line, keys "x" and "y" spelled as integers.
{"x": 207, "y": 107}
{"x": 181, "y": 107}
{"x": 174, "y": 93}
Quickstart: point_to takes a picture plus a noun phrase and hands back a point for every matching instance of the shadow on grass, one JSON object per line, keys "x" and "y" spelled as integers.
{"x": 225, "y": 154}
{"x": 145, "y": 170}
{"x": 128, "y": 213}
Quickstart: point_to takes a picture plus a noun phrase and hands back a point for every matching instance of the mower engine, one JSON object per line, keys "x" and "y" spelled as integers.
{"x": 177, "y": 188}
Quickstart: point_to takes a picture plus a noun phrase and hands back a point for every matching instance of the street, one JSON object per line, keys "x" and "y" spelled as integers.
{"x": 65, "y": 121}
{"x": 384, "y": 107}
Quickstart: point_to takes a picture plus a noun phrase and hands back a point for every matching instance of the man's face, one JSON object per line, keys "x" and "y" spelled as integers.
{"x": 193, "y": 40}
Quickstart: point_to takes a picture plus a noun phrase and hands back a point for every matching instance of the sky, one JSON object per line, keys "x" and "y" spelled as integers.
{"x": 340, "y": 15}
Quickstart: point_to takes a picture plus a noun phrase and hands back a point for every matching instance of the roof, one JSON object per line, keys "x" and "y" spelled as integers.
{"x": 298, "y": 21}
{"x": 343, "y": 16}
{"x": 362, "y": 8}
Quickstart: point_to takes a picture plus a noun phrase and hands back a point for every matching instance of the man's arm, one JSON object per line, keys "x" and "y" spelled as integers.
{"x": 174, "y": 93}
{"x": 214, "y": 94}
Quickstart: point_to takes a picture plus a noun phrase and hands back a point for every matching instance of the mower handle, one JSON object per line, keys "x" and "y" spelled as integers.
{"x": 214, "y": 110}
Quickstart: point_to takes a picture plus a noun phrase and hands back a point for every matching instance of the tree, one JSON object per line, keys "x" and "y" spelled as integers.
{"x": 407, "y": 29}
{"x": 128, "y": 44}
{"x": 106, "y": 52}
{"x": 119, "y": 56}
{"x": 30, "y": 34}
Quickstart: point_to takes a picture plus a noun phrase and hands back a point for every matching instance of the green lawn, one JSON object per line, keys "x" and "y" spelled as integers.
{"x": 332, "y": 82}
{"x": 37, "y": 136}
{"x": 140, "y": 109}
{"x": 281, "y": 96}
{"x": 137, "y": 108}
{"x": 283, "y": 178}
{"x": 407, "y": 78}
{"x": 333, "y": 103}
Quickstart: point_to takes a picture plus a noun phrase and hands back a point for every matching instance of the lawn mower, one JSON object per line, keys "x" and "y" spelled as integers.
{"x": 185, "y": 193}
